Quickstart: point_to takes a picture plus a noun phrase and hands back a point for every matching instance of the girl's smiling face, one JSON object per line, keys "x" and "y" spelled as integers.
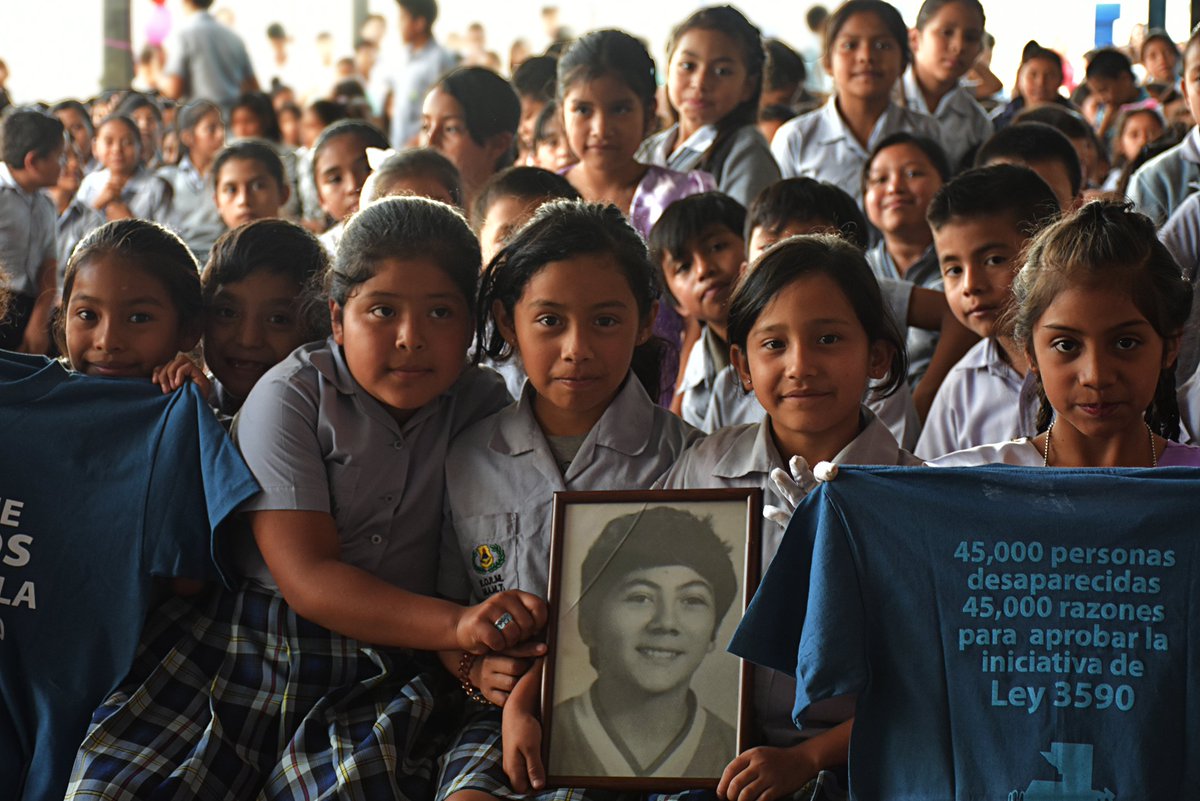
{"x": 864, "y": 59}
{"x": 404, "y": 333}
{"x": 707, "y": 77}
{"x": 901, "y": 182}
{"x": 117, "y": 147}
{"x": 604, "y": 121}
{"x": 575, "y": 327}
{"x": 120, "y": 321}
{"x": 808, "y": 360}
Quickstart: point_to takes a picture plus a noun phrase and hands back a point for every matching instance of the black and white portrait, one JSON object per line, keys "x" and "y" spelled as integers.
{"x": 649, "y": 596}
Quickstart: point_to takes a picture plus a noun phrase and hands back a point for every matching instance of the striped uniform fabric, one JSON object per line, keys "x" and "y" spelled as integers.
{"x": 253, "y": 701}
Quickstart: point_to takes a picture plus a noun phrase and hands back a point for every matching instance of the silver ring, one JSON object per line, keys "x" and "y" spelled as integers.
{"x": 503, "y": 621}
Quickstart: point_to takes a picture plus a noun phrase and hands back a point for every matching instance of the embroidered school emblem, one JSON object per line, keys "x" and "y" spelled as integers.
{"x": 487, "y": 558}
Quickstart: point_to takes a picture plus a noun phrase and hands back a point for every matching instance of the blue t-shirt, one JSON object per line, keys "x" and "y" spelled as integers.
{"x": 104, "y": 485}
{"x": 1012, "y": 633}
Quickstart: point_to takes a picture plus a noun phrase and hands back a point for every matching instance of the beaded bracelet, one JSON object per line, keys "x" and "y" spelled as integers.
{"x": 464, "y": 677}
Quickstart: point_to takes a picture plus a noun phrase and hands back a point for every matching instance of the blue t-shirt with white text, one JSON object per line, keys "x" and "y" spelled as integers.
{"x": 1011, "y": 633}
{"x": 105, "y": 485}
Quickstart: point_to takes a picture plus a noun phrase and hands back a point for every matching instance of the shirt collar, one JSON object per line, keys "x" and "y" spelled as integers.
{"x": 700, "y": 369}
{"x": 913, "y": 97}
{"x": 7, "y": 181}
{"x": 330, "y": 362}
{"x": 752, "y": 451}
{"x": 1190, "y": 149}
{"x": 621, "y": 428}
{"x": 700, "y": 141}
{"x": 874, "y": 439}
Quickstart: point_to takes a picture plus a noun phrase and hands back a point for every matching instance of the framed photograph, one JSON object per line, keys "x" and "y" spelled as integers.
{"x": 646, "y": 589}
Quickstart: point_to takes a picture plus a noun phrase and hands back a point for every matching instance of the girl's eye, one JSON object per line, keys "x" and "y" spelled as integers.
{"x": 914, "y": 173}
{"x": 883, "y": 45}
{"x": 547, "y": 320}
{"x": 140, "y": 317}
{"x": 224, "y": 312}
{"x": 382, "y": 312}
{"x": 828, "y": 339}
{"x": 85, "y": 314}
{"x": 441, "y": 312}
{"x": 1064, "y": 345}
{"x": 607, "y": 321}
{"x": 280, "y": 320}
{"x": 723, "y": 72}
{"x": 772, "y": 344}
{"x": 1128, "y": 343}
{"x": 687, "y": 66}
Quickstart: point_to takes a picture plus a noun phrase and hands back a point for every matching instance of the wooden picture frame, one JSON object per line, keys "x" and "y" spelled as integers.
{"x": 641, "y": 624}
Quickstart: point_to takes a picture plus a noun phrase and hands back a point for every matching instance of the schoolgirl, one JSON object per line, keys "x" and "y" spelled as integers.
{"x": 1100, "y": 305}
{"x": 123, "y": 188}
{"x": 808, "y": 333}
{"x": 866, "y": 50}
{"x": 714, "y": 77}
{"x": 574, "y": 294}
{"x": 194, "y": 213}
{"x": 945, "y": 46}
{"x": 339, "y": 168}
{"x": 314, "y": 678}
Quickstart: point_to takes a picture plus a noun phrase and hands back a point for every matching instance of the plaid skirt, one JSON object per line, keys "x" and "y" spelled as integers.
{"x": 237, "y": 697}
{"x": 474, "y": 761}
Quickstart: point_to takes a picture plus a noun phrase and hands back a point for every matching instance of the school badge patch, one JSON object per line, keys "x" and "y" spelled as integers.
{"x": 487, "y": 559}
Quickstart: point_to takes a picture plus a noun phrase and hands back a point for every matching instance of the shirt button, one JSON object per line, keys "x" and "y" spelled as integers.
{"x": 398, "y": 444}
{"x": 388, "y": 498}
{"x": 376, "y": 539}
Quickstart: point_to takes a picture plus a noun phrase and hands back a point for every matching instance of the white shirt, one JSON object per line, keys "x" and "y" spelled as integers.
{"x": 965, "y": 125}
{"x": 982, "y": 400}
{"x": 819, "y": 144}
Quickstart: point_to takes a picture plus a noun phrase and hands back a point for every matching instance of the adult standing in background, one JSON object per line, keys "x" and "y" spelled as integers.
{"x": 206, "y": 60}
{"x": 417, "y": 66}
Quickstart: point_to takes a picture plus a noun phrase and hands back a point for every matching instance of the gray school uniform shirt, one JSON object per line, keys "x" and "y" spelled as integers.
{"x": 965, "y": 125}
{"x": 742, "y": 167}
{"x": 501, "y": 476}
{"x": 699, "y": 375}
{"x": 744, "y": 456}
{"x": 27, "y": 233}
{"x": 316, "y": 441}
{"x": 146, "y": 195}
{"x": 194, "y": 214}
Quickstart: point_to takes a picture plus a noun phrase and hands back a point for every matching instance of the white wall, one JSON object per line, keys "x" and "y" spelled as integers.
{"x": 68, "y": 62}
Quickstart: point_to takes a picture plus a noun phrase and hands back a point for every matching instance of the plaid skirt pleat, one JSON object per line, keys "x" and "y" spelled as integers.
{"x": 475, "y": 761}
{"x": 254, "y": 702}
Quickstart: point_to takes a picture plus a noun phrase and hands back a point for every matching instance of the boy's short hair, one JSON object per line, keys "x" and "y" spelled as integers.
{"x": 1108, "y": 62}
{"x": 1033, "y": 143}
{"x": 1007, "y": 189}
{"x": 776, "y": 112}
{"x": 803, "y": 199}
{"x": 425, "y": 9}
{"x": 1072, "y": 124}
{"x": 687, "y": 219}
{"x": 536, "y": 77}
{"x": 257, "y": 150}
{"x": 26, "y": 131}
{"x": 526, "y": 183}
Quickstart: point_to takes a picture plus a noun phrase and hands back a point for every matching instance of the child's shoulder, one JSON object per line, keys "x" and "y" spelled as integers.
{"x": 730, "y": 452}
{"x": 1177, "y": 454}
{"x": 1020, "y": 451}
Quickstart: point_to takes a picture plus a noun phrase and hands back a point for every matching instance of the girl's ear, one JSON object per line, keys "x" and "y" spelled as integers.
{"x": 737, "y": 357}
{"x": 504, "y": 324}
{"x": 1171, "y": 347}
{"x": 335, "y": 321}
{"x": 914, "y": 40}
{"x": 285, "y": 194}
{"x": 646, "y": 329}
{"x": 879, "y": 359}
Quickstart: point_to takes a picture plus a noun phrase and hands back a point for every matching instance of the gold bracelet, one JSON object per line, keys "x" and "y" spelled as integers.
{"x": 464, "y": 677}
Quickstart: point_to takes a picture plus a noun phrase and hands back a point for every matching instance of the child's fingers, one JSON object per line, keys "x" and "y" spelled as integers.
{"x": 506, "y": 666}
{"x": 514, "y": 768}
{"x": 526, "y": 650}
{"x": 533, "y": 764}
{"x": 731, "y": 772}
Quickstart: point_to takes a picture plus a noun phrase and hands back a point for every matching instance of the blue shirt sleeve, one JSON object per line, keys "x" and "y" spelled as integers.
{"x": 197, "y": 479}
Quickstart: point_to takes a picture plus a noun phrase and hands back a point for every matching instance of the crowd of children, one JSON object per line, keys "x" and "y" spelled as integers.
{"x": 551, "y": 290}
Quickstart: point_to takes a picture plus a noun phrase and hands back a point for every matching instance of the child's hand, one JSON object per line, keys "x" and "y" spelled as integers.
{"x": 765, "y": 773}
{"x": 496, "y": 674}
{"x": 521, "y": 741}
{"x": 500, "y": 622}
{"x": 177, "y": 372}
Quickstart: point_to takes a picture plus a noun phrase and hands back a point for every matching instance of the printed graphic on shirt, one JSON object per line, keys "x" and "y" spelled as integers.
{"x": 1073, "y": 761}
{"x": 15, "y": 545}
